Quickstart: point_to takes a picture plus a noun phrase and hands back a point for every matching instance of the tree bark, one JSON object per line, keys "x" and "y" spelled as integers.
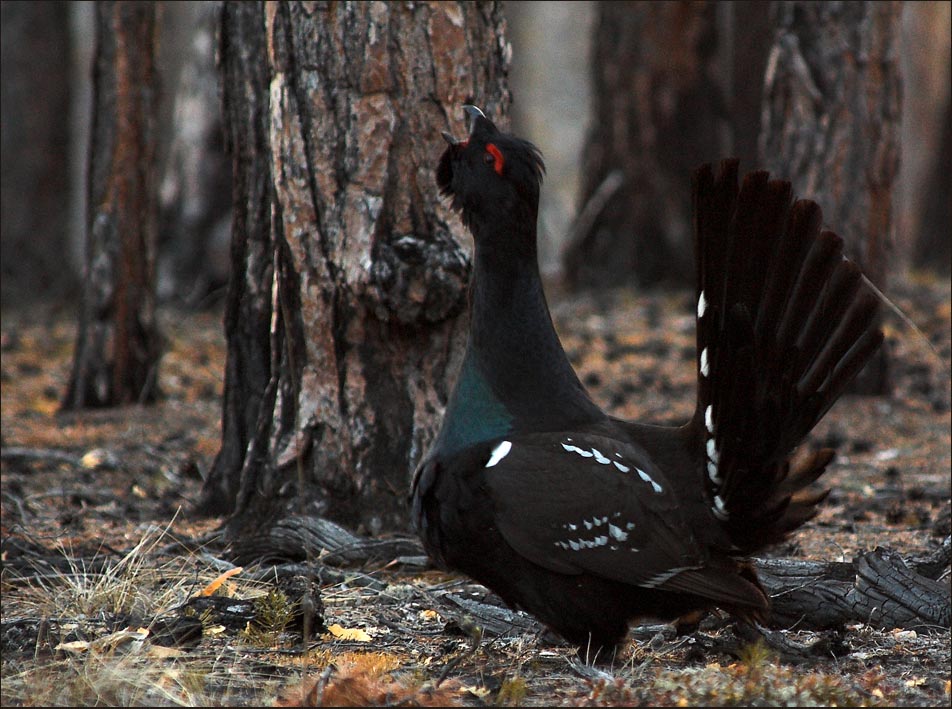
{"x": 117, "y": 348}
{"x": 831, "y": 117}
{"x": 34, "y": 125}
{"x": 245, "y": 77}
{"x": 660, "y": 111}
{"x": 342, "y": 390}
{"x": 831, "y": 126}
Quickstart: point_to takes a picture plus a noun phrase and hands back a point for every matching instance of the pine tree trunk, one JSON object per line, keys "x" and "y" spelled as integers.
{"x": 363, "y": 304}
{"x": 831, "y": 126}
{"x": 245, "y": 76}
{"x": 117, "y": 348}
{"x": 831, "y": 117}
{"x": 660, "y": 111}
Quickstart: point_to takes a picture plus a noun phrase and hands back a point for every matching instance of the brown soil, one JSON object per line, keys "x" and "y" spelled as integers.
{"x": 100, "y": 482}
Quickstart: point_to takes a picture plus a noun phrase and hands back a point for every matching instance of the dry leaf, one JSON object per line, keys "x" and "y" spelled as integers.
{"x": 214, "y": 585}
{"x": 160, "y": 652}
{"x": 125, "y": 639}
{"x": 76, "y": 646}
{"x": 355, "y": 689}
{"x": 349, "y": 633}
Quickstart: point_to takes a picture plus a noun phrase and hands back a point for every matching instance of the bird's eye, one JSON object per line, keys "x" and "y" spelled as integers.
{"x": 488, "y": 158}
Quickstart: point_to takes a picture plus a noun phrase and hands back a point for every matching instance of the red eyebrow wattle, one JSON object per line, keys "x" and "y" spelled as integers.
{"x": 498, "y": 160}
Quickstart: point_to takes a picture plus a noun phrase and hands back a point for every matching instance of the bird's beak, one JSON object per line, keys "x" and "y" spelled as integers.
{"x": 473, "y": 112}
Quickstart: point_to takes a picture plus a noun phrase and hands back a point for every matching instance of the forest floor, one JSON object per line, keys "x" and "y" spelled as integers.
{"x": 98, "y": 544}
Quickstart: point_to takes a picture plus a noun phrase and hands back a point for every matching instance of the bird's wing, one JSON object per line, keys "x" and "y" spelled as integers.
{"x": 586, "y": 503}
{"x": 582, "y": 503}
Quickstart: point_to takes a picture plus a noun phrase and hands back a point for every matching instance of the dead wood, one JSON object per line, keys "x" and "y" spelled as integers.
{"x": 300, "y": 537}
{"x": 877, "y": 588}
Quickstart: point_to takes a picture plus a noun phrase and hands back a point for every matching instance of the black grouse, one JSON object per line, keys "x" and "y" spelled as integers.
{"x": 588, "y": 521}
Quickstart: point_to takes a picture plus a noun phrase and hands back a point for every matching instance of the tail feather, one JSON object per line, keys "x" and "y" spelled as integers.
{"x": 783, "y": 325}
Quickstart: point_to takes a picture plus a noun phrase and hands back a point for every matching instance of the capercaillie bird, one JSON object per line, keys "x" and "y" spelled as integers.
{"x": 587, "y": 521}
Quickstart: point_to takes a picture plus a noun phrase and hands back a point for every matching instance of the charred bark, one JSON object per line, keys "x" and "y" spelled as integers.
{"x": 245, "y": 77}
{"x": 877, "y": 588}
{"x": 363, "y": 330}
{"x": 117, "y": 348}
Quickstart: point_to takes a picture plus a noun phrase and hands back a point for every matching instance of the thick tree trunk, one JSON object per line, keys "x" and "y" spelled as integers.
{"x": 117, "y": 348}
{"x": 831, "y": 117}
{"x": 748, "y": 45}
{"x": 831, "y": 126}
{"x": 363, "y": 331}
{"x": 660, "y": 111}
{"x": 34, "y": 174}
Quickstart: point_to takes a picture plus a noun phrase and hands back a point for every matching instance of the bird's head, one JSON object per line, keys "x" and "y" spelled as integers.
{"x": 490, "y": 174}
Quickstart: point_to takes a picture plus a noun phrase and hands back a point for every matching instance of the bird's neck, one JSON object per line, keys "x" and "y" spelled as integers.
{"x": 515, "y": 375}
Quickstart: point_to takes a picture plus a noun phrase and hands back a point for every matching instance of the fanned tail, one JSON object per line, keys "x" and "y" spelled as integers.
{"x": 783, "y": 326}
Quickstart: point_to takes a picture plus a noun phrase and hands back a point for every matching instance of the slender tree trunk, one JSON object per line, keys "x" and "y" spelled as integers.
{"x": 831, "y": 126}
{"x": 195, "y": 186}
{"x": 660, "y": 111}
{"x": 343, "y": 347}
{"x": 933, "y": 242}
{"x": 923, "y": 226}
{"x": 117, "y": 349}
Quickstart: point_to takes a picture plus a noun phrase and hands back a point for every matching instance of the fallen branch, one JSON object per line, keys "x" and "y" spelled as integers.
{"x": 877, "y": 588}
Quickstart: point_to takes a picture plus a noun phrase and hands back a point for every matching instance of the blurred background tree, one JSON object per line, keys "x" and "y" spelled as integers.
{"x": 117, "y": 349}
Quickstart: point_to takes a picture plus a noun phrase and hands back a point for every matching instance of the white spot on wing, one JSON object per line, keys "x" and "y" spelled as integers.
{"x": 712, "y": 473}
{"x": 709, "y": 418}
{"x": 647, "y": 478}
{"x": 499, "y": 452}
{"x": 576, "y": 449}
{"x": 705, "y": 370}
{"x": 712, "y": 451}
{"x": 622, "y": 468}
{"x": 720, "y": 509}
{"x": 701, "y": 305}
{"x": 599, "y": 457}
{"x": 659, "y": 579}
{"x": 617, "y": 533}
